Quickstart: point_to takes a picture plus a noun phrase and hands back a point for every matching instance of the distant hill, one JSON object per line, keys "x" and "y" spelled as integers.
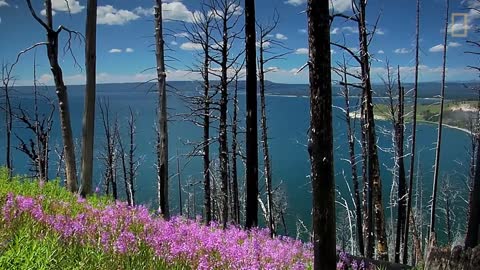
{"x": 454, "y": 90}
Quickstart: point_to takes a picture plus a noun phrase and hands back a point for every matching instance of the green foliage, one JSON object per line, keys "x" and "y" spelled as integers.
{"x": 25, "y": 244}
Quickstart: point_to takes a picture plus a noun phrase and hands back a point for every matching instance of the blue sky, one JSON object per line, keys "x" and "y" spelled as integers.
{"x": 125, "y": 38}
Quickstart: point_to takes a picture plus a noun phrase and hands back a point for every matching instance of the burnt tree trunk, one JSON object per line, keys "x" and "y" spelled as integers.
{"x": 473, "y": 223}
{"x": 88, "y": 130}
{"x": 414, "y": 136}
{"x": 162, "y": 142}
{"x": 373, "y": 162}
{"x": 440, "y": 126}
{"x": 353, "y": 164}
{"x": 251, "y": 119}
{"x": 399, "y": 147}
{"x": 264, "y": 139}
{"x": 234, "y": 186}
{"x": 320, "y": 143}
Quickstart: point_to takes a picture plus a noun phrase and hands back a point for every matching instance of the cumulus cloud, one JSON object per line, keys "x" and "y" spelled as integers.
{"x": 380, "y": 52}
{"x": 115, "y": 51}
{"x": 439, "y": 47}
{"x": 190, "y": 46}
{"x": 301, "y": 51}
{"x": 71, "y": 6}
{"x": 3, "y": 3}
{"x": 129, "y": 50}
{"x": 281, "y": 36}
{"x": 111, "y": 16}
{"x": 174, "y": 43}
{"x": 266, "y": 44}
{"x": 181, "y": 34}
{"x": 401, "y": 51}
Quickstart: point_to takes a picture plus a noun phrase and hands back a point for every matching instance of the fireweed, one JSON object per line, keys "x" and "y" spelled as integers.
{"x": 124, "y": 232}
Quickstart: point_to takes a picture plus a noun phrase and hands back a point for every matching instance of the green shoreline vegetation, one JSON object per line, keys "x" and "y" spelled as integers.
{"x": 457, "y": 114}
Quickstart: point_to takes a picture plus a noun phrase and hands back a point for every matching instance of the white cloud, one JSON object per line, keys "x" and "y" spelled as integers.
{"x": 129, "y": 50}
{"x": 454, "y": 44}
{"x": 190, "y": 46}
{"x": 141, "y": 11}
{"x": 439, "y": 47}
{"x": 44, "y": 12}
{"x": 182, "y": 34}
{"x": 401, "y": 51}
{"x": 111, "y": 16}
{"x": 266, "y": 44}
{"x": 45, "y": 78}
{"x": 436, "y": 48}
{"x": 301, "y": 51}
{"x": 3, "y": 3}
{"x": 281, "y": 36}
{"x": 350, "y": 29}
{"x": 380, "y": 32}
{"x": 174, "y": 43}
{"x": 335, "y": 31}
{"x": 338, "y": 5}
{"x": 115, "y": 51}
{"x": 302, "y": 31}
{"x": 71, "y": 6}
{"x": 380, "y": 52}
{"x": 176, "y": 11}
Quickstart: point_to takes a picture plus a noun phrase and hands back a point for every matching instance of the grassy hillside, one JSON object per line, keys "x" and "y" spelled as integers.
{"x": 42, "y": 226}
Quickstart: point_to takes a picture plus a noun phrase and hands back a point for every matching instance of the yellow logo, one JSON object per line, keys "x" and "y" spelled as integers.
{"x": 462, "y": 31}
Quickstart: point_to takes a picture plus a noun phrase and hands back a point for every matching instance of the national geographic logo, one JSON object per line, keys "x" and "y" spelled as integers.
{"x": 459, "y": 26}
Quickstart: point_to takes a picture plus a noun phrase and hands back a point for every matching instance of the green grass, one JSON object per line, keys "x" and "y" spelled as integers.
{"x": 27, "y": 245}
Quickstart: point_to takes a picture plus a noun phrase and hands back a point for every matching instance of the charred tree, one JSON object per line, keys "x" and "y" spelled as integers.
{"x": 6, "y": 81}
{"x": 234, "y": 186}
{"x": 110, "y": 152}
{"x": 414, "y": 136}
{"x": 162, "y": 133}
{"x": 129, "y": 161}
{"x": 251, "y": 120}
{"x": 61, "y": 90}
{"x": 320, "y": 143}
{"x": 440, "y": 127}
{"x": 88, "y": 130}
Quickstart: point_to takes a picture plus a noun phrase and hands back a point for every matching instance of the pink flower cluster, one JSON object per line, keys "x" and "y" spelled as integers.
{"x": 124, "y": 230}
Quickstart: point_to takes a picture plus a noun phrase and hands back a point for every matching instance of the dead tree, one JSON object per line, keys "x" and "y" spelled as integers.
{"x": 234, "y": 177}
{"x": 320, "y": 142}
{"x": 37, "y": 147}
{"x": 374, "y": 184}
{"x": 414, "y": 136}
{"x": 473, "y": 222}
{"x": 440, "y": 127}
{"x": 6, "y": 83}
{"x": 397, "y": 117}
{"x": 61, "y": 90}
{"x": 109, "y": 156}
{"x": 251, "y": 120}
{"x": 266, "y": 45}
{"x": 162, "y": 132}
{"x": 344, "y": 74}
{"x": 129, "y": 162}
{"x": 202, "y": 105}
{"x": 227, "y": 17}
{"x": 88, "y": 130}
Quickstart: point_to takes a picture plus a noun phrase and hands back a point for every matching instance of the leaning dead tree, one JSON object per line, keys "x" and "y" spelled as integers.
{"x": 440, "y": 128}
{"x": 320, "y": 142}
{"x": 414, "y": 136}
{"x": 52, "y": 45}
{"x": 162, "y": 131}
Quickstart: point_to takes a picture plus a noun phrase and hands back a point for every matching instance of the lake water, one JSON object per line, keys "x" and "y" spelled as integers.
{"x": 288, "y": 118}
